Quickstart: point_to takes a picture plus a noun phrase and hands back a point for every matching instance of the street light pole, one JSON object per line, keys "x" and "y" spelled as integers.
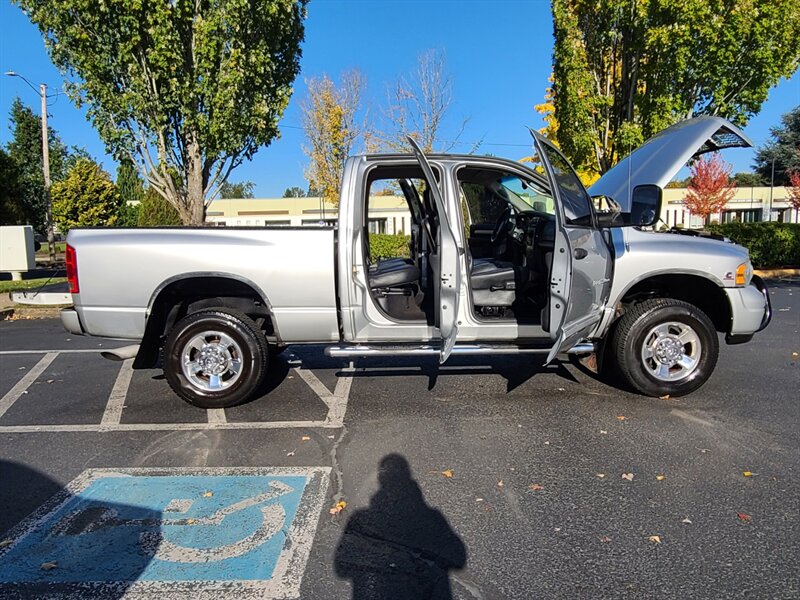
{"x": 51, "y": 238}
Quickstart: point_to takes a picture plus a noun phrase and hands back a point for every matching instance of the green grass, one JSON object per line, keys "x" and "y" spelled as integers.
{"x": 61, "y": 248}
{"x": 27, "y": 284}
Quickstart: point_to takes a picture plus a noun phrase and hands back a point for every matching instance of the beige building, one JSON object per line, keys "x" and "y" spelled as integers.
{"x": 389, "y": 214}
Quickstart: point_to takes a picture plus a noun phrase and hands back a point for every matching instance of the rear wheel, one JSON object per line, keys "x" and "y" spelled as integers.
{"x": 215, "y": 358}
{"x": 665, "y": 347}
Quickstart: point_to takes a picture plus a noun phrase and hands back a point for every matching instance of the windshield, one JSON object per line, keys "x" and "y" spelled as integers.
{"x": 526, "y": 195}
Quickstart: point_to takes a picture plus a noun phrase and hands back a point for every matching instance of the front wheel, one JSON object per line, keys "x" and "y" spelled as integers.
{"x": 665, "y": 347}
{"x": 215, "y": 358}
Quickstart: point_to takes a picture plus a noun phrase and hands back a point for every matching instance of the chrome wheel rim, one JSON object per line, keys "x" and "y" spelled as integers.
{"x": 212, "y": 361}
{"x": 671, "y": 351}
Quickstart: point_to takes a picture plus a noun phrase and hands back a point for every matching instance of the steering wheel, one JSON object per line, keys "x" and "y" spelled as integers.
{"x": 502, "y": 224}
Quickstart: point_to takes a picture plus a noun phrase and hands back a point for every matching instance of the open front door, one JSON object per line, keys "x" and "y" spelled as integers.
{"x": 444, "y": 263}
{"x": 580, "y": 276}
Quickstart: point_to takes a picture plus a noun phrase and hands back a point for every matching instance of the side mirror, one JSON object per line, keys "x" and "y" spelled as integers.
{"x": 645, "y": 208}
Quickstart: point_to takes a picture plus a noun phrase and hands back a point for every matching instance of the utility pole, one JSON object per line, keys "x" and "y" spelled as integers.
{"x": 42, "y": 91}
{"x": 51, "y": 238}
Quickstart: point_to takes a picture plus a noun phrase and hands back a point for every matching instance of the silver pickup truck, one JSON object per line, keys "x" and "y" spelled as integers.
{"x": 503, "y": 258}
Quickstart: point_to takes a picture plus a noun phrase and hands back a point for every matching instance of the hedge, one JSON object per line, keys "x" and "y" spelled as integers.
{"x": 384, "y": 245}
{"x": 770, "y": 244}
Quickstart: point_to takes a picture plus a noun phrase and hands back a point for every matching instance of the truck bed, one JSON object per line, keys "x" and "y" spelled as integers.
{"x": 121, "y": 271}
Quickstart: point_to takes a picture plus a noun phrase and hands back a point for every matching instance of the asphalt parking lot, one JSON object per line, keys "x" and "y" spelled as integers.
{"x": 477, "y": 479}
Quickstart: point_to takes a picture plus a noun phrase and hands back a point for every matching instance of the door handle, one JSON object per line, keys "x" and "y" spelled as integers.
{"x": 580, "y": 253}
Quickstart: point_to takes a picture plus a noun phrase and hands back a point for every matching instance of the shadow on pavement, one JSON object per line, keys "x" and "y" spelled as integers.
{"x": 399, "y": 547}
{"x": 70, "y": 546}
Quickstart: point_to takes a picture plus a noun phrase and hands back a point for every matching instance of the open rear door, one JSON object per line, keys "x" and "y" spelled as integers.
{"x": 444, "y": 263}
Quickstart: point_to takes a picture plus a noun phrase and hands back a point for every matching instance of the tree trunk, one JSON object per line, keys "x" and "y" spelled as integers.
{"x": 195, "y": 199}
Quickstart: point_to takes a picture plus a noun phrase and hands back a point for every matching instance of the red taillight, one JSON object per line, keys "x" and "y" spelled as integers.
{"x": 72, "y": 270}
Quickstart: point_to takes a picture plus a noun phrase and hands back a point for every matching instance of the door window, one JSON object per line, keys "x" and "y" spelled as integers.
{"x": 574, "y": 197}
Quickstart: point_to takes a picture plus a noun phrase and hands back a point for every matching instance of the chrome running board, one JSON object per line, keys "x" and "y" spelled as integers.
{"x": 431, "y": 350}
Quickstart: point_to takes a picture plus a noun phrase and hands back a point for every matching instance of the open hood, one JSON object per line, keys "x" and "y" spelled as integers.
{"x": 660, "y": 158}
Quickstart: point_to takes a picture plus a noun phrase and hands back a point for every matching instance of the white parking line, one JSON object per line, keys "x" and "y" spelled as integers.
{"x": 216, "y": 416}
{"x": 335, "y": 401}
{"x": 24, "y": 383}
{"x": 116, "y": 400}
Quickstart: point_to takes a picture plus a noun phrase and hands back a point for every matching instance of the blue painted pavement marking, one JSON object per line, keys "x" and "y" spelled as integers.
{"x": 145, "y": 531}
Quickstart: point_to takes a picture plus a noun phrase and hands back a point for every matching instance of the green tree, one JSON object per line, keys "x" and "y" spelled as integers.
{"x": 625, "y": 69}
{"x": 131, "y": 193}
{"x": 294, "y": 192}
{"x": 25, "y": 151}
{"x": 784, "y": 148}
{"x": 13, "y": 210}
{"x": 200, "y": 84}
{"x": 86, "y": 197}
{"x": 744, "y": 179}
{"x": 241, "y": 189}
{"x": 154, "y": 211}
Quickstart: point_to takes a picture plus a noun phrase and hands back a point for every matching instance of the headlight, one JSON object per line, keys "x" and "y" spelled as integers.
{"x": 744, "y": 273}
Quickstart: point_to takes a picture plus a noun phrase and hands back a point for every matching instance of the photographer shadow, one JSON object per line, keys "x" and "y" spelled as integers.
{"x": 399, "y": 547}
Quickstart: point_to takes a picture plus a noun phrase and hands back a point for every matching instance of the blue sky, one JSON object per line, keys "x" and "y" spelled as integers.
{"x": 498, "y": 54}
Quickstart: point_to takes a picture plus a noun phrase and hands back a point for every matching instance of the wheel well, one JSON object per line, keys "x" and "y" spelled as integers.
{"x": 189, "y": 295}
{"x": 698, "y": 291}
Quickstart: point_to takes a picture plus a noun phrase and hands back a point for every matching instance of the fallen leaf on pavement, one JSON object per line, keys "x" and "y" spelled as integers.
{"x": 51, "y": 564}
{"x": 605, "y": 539}
{"x": 535, "y": 487}
{"x": 478, "y": 499}
{"x": 656, "y": 539}
{"x": 621, "y": 417}
{"x": 500, "y": 483}
{"x": 744, "y": 518}
{"x": 747, "y": 473}
{"x": 305, "y": 438}
{"x": 603, "y": 431}
{"x": 557, "y": 529}
{"x": 600, "y": 475}
{"x": 448, "y": 473}
{"x": 687, "y": 521}
{"x": 290, "y": 453}
{"x": 659, "y": 477}
{"x": 628, "y": 476}
{"x": 665, "y": 397}
{"x": 338, "y": 507}
{"x": 208, "y": 494}
{"x": 191, "y": 521}
{"x": 5, "y": 543}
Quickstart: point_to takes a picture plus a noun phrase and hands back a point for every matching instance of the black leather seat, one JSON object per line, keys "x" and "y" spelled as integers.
{"x": 493, "y": 282}
{"x": 393, "y": 273}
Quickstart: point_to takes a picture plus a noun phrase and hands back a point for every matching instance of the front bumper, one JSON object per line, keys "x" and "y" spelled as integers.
{"x": 751, "y": 310}
{"x": 71, "y": 321}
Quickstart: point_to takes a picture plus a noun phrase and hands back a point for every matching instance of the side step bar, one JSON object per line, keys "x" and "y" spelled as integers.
{"x": 458, "y": 350}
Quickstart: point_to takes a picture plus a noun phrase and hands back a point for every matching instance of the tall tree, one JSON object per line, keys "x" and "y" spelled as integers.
{"x": 783, "y": 148}
{"x": 154, "y": 211}
{"x": 13, "y": 210}
{"x": 419, "y": 105}
{"x": 129, "y": 183}
{"x": 240, "y": 189}
{"x": 25, "y": 151}
{"x": 86, "y": 197}
{"x": 710, "y": 186}
{"x": 744, "y": 179}
{"x": 625, "y": 69}
{"x": 329, "y": 117}
{"x": 294, "y": 192}
{"x": 186, "y": 89}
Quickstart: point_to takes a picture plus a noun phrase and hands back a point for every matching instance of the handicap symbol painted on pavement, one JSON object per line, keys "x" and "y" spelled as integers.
{"x": 136, "y": 532}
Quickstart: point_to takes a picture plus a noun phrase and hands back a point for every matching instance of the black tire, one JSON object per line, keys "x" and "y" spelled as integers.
{"x": 204, "y": 387}
{"x": 659, "y": 363}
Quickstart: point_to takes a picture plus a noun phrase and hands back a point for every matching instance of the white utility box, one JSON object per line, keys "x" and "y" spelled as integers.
{"x": 17, "y": 252}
